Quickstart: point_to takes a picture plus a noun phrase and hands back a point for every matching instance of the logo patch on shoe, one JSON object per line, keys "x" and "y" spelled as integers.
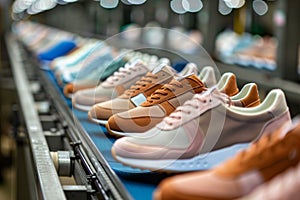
{"x": 138, "y": 99}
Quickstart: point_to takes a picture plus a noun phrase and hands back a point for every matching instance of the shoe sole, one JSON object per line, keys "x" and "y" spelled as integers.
{"x": 201, "y": 162}
{"x": 69, "y": 96}
{"x": 114, "y": 133}
{"x": 98, "y": 121}
{"x": 82, "y": 107}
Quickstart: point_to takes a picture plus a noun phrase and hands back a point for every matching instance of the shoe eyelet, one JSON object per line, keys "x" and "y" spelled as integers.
{"x": 210, "y": 100}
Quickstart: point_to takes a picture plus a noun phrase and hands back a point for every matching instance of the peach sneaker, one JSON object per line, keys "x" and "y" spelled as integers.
{"x": 202, "y": 133}
{"x": 137, "y": 93}
{"x": 164, "y": 101}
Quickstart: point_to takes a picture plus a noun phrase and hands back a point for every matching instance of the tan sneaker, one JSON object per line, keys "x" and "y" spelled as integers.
{"x": 163, "y": 102}
{"x": 271, "y": 155}
{"x": 202, "y": 133}
{"x": 138, "y": 92}
{"x": 284, "y": 186}
{"x": 112, "y": 87}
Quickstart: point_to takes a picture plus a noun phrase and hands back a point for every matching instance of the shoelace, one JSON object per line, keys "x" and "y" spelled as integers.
{"x": 198, "y": 101}
{"x": 123, "y": 72}
{"x": 143, "y": 82}
{"x": 164, "y": 90}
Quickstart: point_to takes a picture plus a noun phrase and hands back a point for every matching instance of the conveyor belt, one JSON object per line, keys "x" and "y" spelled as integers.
{"x": 140, "y": 184}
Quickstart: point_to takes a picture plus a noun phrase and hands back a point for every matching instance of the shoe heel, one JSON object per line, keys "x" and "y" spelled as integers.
{"x": 276, "y": 123}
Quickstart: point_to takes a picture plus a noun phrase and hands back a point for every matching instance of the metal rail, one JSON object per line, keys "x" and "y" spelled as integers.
{"x": 101, "y": 174}
{"x": 49, "y": 183}
{"x": 98, "y": 170}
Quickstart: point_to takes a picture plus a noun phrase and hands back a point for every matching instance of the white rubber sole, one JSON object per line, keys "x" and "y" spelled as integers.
{"x": 98, "y": 121}
{"x": 201, "y": 162}
{"x": 117, "y": 133}
{"x": 82, "y": 107}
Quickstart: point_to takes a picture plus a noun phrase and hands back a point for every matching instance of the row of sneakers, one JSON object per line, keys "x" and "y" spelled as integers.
{"x": 247, "y": 50}
{"x": 185, "y": 126}
{"x": 188, "y": 121}
{"x": 202, "y": 133}
{"x": 78, "y": 63}
{"x": 166, "y": 147}
{"x": 162, "y": 106}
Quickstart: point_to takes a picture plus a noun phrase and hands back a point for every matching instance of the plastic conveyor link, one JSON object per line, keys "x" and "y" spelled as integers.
{"x": 91, "y": 176}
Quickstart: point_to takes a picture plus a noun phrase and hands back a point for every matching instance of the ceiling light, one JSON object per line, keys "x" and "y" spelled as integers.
{"x": 192, "y": 5}
{"x": 223, "y": 8}
{"x": 260, "y": 7}
{"x": 234, "y": 3}
{"x": 136, "y": 2}
{"x": 176, "y": 6}
{"x": 109, "y": 3}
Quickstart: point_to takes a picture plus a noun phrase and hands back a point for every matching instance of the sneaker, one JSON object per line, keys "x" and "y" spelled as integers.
{"x": 60, "y": 49}
{"x": 271, "y": 155}
{"x": 88, "y": 82}
{"x": 112, "y": 87}
{"x": 138, "y": 92}
{"x": 284, "y": 186}
{"x": 202, "y": 133}
{"x": 163, "y": 102}
{"x": 75, "y": 57}
{"x": 96, "y": 59}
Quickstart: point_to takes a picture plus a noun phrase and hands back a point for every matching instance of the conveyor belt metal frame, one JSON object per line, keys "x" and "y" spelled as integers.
{"x": 103, "y": 177}
{"x": 49, "y": 183}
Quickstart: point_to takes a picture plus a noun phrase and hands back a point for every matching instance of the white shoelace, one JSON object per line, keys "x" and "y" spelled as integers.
{"x": 123, "y": 72}
{"x": 197, "y": 102}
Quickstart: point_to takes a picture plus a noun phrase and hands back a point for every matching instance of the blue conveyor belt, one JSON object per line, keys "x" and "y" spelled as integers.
{"x": 140, "y": 184}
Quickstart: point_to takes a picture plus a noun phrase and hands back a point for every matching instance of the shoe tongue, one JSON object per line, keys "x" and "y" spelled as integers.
{"x": 165, "y": 68}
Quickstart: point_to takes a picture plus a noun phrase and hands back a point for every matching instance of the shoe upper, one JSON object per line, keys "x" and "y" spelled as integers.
{"x": 94, "y": 64}
{"x": 161, "y": 103}
{"x": 165, "y": 100}
{"x": 114, "y": 85}
{"x": 138, "y": 92}
{"x": 88, "y": 83}
{"x": 75, "y": 57}
{"x": 283, "y": 186}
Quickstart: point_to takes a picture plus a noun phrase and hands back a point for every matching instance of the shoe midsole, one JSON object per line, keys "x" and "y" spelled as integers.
{"x": 201, "y": 162}
{"x": 82, "y": 107}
